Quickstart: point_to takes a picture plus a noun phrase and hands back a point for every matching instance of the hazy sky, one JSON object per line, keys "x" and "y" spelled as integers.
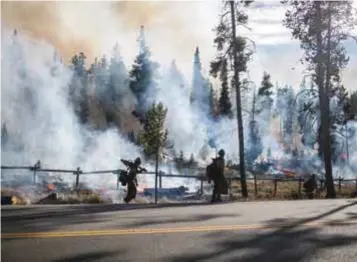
{"x": 173, "y": 28}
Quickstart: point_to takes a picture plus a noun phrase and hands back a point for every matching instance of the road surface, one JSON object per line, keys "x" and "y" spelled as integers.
{"x": 317, "y": 230}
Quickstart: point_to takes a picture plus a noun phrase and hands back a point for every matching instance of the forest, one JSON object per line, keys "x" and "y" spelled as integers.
{"x": 167, "y": 117}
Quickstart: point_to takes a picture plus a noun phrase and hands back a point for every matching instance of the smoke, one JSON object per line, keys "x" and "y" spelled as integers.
{"x": 39, "y": 119}
{"x": 34, "y": 99}
{"x": 70, "y": 27}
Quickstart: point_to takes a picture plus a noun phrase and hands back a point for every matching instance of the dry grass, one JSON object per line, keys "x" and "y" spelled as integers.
{"x": 286, "y": 190}
{"x": 92, "y": 198}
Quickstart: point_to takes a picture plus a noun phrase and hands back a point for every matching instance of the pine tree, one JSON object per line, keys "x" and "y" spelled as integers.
{"x": 154, "y": 136}
{"x": 117, "y": 86}
{"x": 255, "y": 146}
{"x": 214, "y": 111}
{"x": 264, "y": 95}
{"x": 225, "y": 105}
{"x": 321, "y": 27}
{"x": 142, "y": 77}
{"x": 236, "y": 50}
{"x": 353, "y": 103}
{"x": 289, "y": 117}
{"x": 78, "y": 91}
{"x": 200, "y": 90}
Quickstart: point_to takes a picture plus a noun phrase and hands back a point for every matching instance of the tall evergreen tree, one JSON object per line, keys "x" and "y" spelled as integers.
{"x": 254, "y": 145}
{"x": 265, "y": 92}
{"x": 225, "y": 105}
{"x": 117, "y": 86}
{"x": 236, "y": 50}
{"x": 143, "y": 77}
{"x": 78, "y": 91}
{"x": 214, "y": 110}
{"x": 353, "y": 103}
{"x": 200, "y": 91}
{"x": 289, "y": 117}
{"x": 321, "y": 27}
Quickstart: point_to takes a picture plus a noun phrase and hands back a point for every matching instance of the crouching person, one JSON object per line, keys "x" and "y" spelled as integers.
{"x": 131, "y": 179}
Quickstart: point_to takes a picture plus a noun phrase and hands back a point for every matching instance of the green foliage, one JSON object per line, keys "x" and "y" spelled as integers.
{"x": 142, "y": 76}
{"x": 154, "y": 135}
{"x": 225, "y": 105}
{"x": 306, "y": 19}
{"x": 264, "y": 94}
{"x": 353, "y": 103}
{"x": 78, "y": 90}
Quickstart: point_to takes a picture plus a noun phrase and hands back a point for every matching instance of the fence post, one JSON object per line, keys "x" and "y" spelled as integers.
{"x": 299, "y": 190}
{"x": 201, "y": 186}
{"x": 77, "y": 172}
{"x": 255, "y": 185}
{"x": 275, "y": 186}
{"x": 36, "y": 167}
{"x": 339, "y": 184}
{"x": 160, "y": 179}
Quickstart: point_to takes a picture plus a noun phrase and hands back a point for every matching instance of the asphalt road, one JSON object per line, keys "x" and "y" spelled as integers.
{"x": 318, "y": 230}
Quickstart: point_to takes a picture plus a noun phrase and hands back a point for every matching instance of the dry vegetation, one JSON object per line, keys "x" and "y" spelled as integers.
{"x": 285, "y": 190}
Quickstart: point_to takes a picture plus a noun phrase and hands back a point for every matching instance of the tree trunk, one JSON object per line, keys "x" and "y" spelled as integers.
{"x": 327, "y": 152}
{"x": 325, "y": 140}
{"x": 239, "y": 109}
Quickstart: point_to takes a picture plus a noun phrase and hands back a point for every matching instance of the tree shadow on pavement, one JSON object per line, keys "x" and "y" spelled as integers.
{"x": 282, "y": 240}
{"x": 50, "y": 218}
{"x": 185, "y": 219}
{"x": 88, "y": 257}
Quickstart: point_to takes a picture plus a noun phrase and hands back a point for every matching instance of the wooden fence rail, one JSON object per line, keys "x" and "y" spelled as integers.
{"x": 78, "y": 172}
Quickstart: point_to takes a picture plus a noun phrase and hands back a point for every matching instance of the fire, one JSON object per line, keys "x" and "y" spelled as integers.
{"x": 140, "y": 188}
{"x": 50, "y": 187}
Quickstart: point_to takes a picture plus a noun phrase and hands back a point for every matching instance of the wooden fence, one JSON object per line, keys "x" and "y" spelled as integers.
{"x": 158, "y": 176}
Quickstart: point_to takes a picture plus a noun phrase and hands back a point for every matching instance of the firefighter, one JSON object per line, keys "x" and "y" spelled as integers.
{"x": 132, "y": 182}
{"x": 218, "y": 176}
{"x": 310, "y": 185}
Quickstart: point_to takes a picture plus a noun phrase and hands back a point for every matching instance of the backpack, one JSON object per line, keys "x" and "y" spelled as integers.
{"x": 211, "y": 169}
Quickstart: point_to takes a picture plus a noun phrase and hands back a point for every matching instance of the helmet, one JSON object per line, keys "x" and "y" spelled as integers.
{"x": 221, "y": 153}
{"x": 137, "y": 161}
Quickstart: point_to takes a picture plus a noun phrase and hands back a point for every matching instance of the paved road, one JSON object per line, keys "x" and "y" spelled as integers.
{"x": 318, "y": 230}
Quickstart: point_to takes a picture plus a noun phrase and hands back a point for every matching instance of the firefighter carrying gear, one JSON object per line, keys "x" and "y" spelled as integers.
{"x": 215, "y": 172}
{"x": 129, "y": 177}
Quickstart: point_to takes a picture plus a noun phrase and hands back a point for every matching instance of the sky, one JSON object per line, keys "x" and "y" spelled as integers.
{"x": 173, "y": 30}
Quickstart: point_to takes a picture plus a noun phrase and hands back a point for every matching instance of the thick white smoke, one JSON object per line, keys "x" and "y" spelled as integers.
{"x": 39, "y": 119}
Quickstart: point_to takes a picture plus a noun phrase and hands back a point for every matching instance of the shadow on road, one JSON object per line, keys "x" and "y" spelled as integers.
{"x": 191, "y": 218}
{"x": 50, "y": 218}
{"x": 288, "y": 242}
{"x": 88, "y": 257}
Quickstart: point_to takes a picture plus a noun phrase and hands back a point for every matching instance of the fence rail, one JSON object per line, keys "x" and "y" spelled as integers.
{"x": 158, "y": 176}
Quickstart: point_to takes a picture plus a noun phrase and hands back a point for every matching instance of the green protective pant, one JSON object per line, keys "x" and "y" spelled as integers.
{"x": 131, "y": 191}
